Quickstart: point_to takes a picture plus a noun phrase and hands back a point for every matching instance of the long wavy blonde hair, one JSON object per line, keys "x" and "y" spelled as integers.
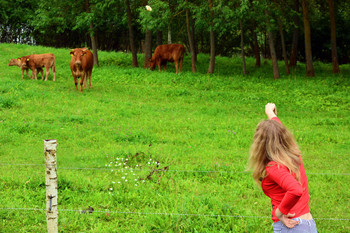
{"x": 273, "y": 142}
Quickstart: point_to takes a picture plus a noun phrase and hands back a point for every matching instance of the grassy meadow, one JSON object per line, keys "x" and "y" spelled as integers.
{"x": 196, "y": 127}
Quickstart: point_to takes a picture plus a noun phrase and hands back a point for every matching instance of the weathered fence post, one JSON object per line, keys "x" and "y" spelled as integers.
{"x": 51, "y": 185}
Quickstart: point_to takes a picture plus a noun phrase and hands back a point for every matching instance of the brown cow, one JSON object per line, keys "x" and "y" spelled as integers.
{"x": 38, "y": 61}
{"x": 81, "y": 65}
{"x": 17, "y": 62}
{"x": 168, "y": 53}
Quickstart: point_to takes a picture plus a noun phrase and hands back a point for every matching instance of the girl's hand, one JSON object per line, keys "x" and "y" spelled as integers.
{"x": 270, "y": 110}
{"x": 285, "y": 219}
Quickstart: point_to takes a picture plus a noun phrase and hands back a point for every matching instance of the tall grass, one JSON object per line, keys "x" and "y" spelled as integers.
{"x": 187, "y": 124}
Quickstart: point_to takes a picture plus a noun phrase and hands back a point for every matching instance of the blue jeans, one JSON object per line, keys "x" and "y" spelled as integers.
{"x": 304, "y": 226}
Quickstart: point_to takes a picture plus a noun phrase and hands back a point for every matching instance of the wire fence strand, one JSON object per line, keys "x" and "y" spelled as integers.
{"x": 164, "y": 213}
{"x": 168, "y": 170}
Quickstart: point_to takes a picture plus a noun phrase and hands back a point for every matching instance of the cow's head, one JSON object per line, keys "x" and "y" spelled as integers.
{"x": 152, "y": 63}
{"x": 77, "y": 55}
{"x": 24, "y": 62}
{"x": 15, "y": 62}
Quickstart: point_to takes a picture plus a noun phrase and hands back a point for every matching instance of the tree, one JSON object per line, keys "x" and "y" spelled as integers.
{"x": 212, "y": 39}
{"x": 307, "y": 33}
{"x": 92, "y": 34}
{"x": 284, "y": 52}
{"x": 190, "y": 39}
{"x": 242, "y": 47}
{"x": 255, "y": 37}
{"x": 333, "y": 38}
{"x": 148, "y": 48}
{"x": 276, "y": 73}
{"x": 131, "y": 35}
{"x": 294, "y": 52}
{"x": 153, "y": 18}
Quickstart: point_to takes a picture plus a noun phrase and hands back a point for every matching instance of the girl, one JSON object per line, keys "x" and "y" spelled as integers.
{"x": 278, "y": 168}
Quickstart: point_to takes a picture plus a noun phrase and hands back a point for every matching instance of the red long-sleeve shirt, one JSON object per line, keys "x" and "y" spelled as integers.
{"x": 284, "y": 190}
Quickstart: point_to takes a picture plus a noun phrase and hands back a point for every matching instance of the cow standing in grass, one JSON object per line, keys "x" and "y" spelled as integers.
{"x": 17, "y": 62}
{"x": 168, "y": 53}
{"x": 37, "y": 62}
{"x": 81, "y": 66}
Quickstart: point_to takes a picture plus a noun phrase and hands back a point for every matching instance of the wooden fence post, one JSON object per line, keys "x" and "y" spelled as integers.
{"x": 51, "y": 185}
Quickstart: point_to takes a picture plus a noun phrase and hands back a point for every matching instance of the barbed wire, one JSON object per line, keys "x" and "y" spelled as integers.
{"x": 168, "y": 214}
{"x": 169, "y": 170}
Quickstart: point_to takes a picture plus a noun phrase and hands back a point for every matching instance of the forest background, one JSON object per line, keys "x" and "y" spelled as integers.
{"x": 289, "y": 30}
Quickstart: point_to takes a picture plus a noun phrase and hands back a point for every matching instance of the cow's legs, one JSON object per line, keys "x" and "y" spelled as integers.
{"x": 76, "y": 83}
{"x": 31, "y": 77}
{"x": 23, "y": 72}
{"x": 54, "y": 72}
{"x": 42, "y": 73}
{"x": 176, "y": 66}
{"x": 47, "y": 73}
{"x": 89, "y": 77}
{"x": 181, "y": 60}
{"x": 85, "y": 80}
{"x": 34, "y": 71}
{"x": 82, "y": 81}
{"x": 159, "y": 66}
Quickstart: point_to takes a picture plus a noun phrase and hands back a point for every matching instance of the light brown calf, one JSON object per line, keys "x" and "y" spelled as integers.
{"x": 17, "y": 62}
{"x": 81, "y": 66}
{"x": 37, "y": 61}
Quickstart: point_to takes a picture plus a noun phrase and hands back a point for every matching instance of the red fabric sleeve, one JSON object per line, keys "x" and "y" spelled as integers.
{"x": 276, "y": 119}
{"x": 281, "y": 175}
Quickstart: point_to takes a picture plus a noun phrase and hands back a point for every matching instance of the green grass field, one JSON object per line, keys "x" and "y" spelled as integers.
{"x": 200, "y": 126}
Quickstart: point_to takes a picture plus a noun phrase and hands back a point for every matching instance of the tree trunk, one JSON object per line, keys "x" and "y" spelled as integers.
{"x": 276, "y": 73}
{"x": 194, "y": 40}
{"x": 159, "y": 37}
{"x": 191, "y": 42}
{"x": 131, "y": 35}
{"x": 212, "y": 40}
{"x": 308, "y": 51}
{"x": 284, "y": 52}
{"x": 255, "y": 40}
{"x": 256, "y": 46}
{"x": 169, "y": 33}
{"x": 294, "y": 53}
{"x": 92, "y": 36}
{"x": 336, "y": 69}
{"x": 242, "y": 47}
{"x": 148, "y": 47}
{"x": 94, "y": 45}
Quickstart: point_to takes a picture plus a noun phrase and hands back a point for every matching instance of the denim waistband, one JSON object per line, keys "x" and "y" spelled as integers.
{"x": 308, "y": 221}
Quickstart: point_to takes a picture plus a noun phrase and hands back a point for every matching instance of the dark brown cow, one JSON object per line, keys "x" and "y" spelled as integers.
{"x": 17, "y": 62}
{"x": 81, "y": 66}
{"x": 168, "y": 53}
{"x": 38, "y": 61}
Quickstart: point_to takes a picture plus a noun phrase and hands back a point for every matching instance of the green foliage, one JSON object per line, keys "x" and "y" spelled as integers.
{"x": 157, "y": 18}
{"x": 200, "y": 126}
